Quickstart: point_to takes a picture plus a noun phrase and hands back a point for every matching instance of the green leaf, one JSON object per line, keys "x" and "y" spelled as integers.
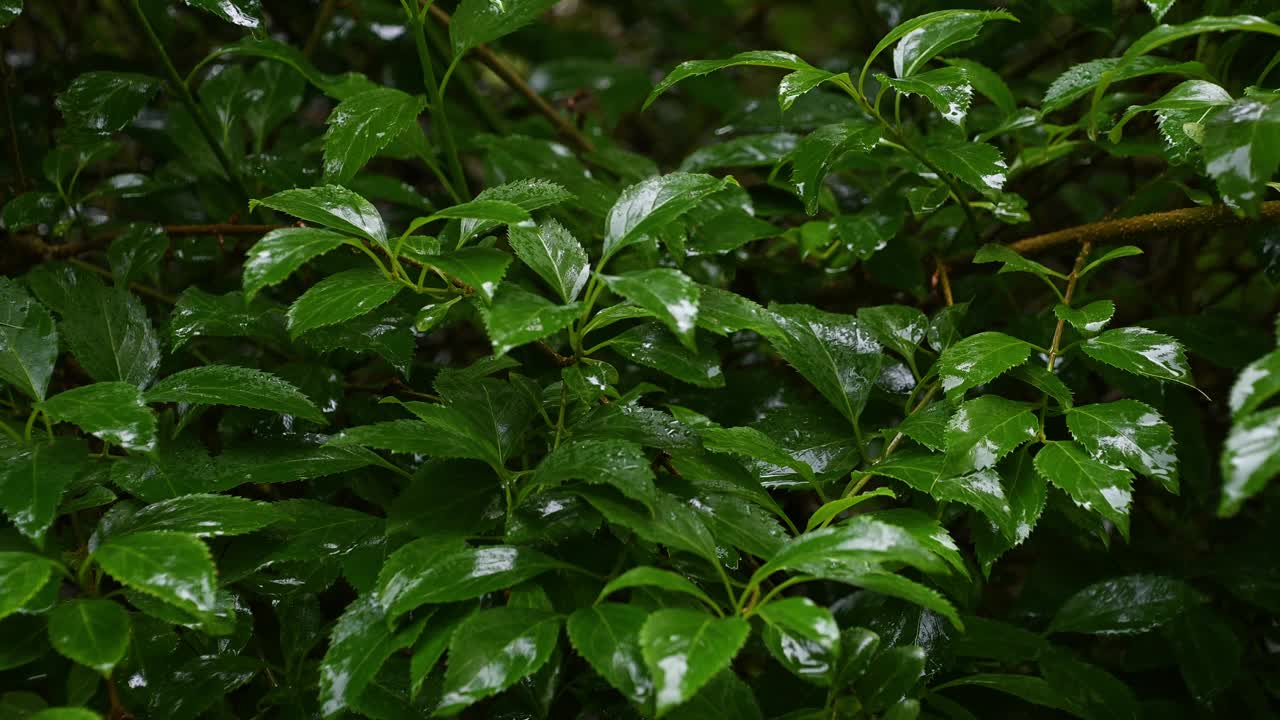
{"x": 745, "y": 151}
{"x": 1250, "y": 459}
{"x": 696, "y": 68}
{"x": 1141, "y": 352}
{"x": 517, "y": 317}
{"x": 281, "y": 252}
{"x": 891, "y": 676}
{"x": 332, "y": 206}
{"x": 276, "y": 91}
{"x": 928, "y": 426}
{"x": 947, "y": 89}
{"x": 1079, "y": 80}
{"x": 9, "y": 11}
{"x": 929, "y": 35}
{"x": 1114, "y": 254}
{"x": 232, "y": 385}
{"x": 1045, "y": 381}
{"x": 1095, "y": 486}
{"x": 100, "y": 103}
{"x": 725, "y": 695}
{"x": 361, "y": 642}
{"x": 1091, "y": 318}
{"x": 481, "y": 269}
{"x": 723, "y": 312}
{"x": 897, "y": 327}
{"x": 859, "y": 541}
{"x": 858, "y": 647}
{"x": 199, "y": 314}
{"x": 21, "y": 577}
{"x": 836, "y": 353}
{"x": 490, "y": 212}
{"x": 529, "y": 194}
{"x": 244, "y": 13}
{"x": 669, "y": 294}
{"x": 339, "y": 297}
{"x": 1013, "y": 261}
{"x": 1257, "y": 383}
{"x": 555, "y": 255}
{"x": 1242, "y": 151}
{"x": 644, "y": 576}
{"x": 673, "y": 522}
{"x": 1189, "y": 95}
{"x": 869, "y": 231}
{"x": 988, "y": 83}
{"x": 1024, "y": 687}
{"x": 1129, "y": 433}
{"x": 983, "y": 430}
{"x": 818, "y": 152}
{"x": 607, "y": 636}
{"x": 803, "y": 636}
{"x": 419, "y": 573}
{"x": 110, "y": 334}
{"x": 28, "y": 341}
{"x": 976, "y": 164}
{"x": 684, "y": 649}
{"x": 201, "y": 515}
{"x": 92, "y": 632}
{"x": 619, "y": 463}
{"x": 65, "y": 713}
{"x": 981, "y": 490}
{"x": 33, "y": 480}
{"x": 362, "y": 125}
{"x": 171, "y": 566}
{"x": 136, "y": 252}
{"x": 1158, "y": 7}
{"x": 477, "y": 22}
{"x": 1162, "y": 35}
{"x": 651, "y": 345}
{"x": 1207, "y": 650}
{"x": 1089, "y": 691}
{"x": 829, "y": 511}
{"x": 1125, "y": 605}
{"x": 112, "y": 411}
{"x": 797, "y": 83}
{"x": 754, "y": 444}
{"x": 432, "y": 314}
{"x": 492, "y": 650}
{"x": 977, "y": 360}
{"x": 31, "y": 209}
{"x": 646, "y": 208}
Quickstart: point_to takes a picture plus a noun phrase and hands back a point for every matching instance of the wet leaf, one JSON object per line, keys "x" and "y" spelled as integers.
{"x": 818, "y": 152}
{"x": 684, "y": 649}
{"x": 492, "y": 650}
{"x": 364, "y": 124}
{"x": 555, "y": 255}
{"x": 1124, "y": 606}
{"x": 1092, "y": 484}
{"x": 231, "y": 385}
{"x": 1129, "y": 433}
{"x": 92, "y": 632}
{"x": 607, "y": 635}
{"x": 1141, "y": 352}
{"x": 333, "y": 207}
{"x": 112, "y": 411}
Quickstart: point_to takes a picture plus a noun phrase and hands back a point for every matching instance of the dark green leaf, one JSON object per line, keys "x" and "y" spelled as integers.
{"x": 1094, "y": 485}
{"x": 947, "y": 89}
{"x": 101, "y": 103}
{"x": 684, "y": 649}
{"x": 421, "y": 573}
{"x": 646, "y": 208}
{"x": 1129, "y": 433}
{"x": 364, "y": 124}
{"x": 332, "y": 206}
{"x": 607, "y": 636}
{"x": 94, "y": 633}
{"x": 1124, "y": 606}
{"x": 1250, "y": 458}
{"x": 137, "y": 252}
{"x": 21, "y": 577}
{"x": 339, "y": 297}
{"x": 1141, "y": 352}
{"x": 818, "y": 152}
{"x": 1242, "y": 150}
{"x": 616, "y": 462}
{"x": 479, "y": 268}
{"x": 651, "y": 345}
{"x": 695, "y": 68}
{"x": 33, "y": 480}
{"x": 28, "y": 341}
{"x": 280, "y": 252}
{"x": 171, "y": 566}
{"x": 112, "y": 411}
{"x": 803, "y": 636}
{"x": 977, "y": 164}
{"x": 555, "y": 255}
{"x": 836, "y": 353}
{"x": 891, "y": 676}
{"x": 644, "y": 576}
{"x": 492, "y": 650}
{"x": 1013, "y": 261}
{"x": 232, "y": 385}
{"x": 669, "y": 294}
{"x": 244, "y": 13}
{"x": 977, "y": 360}
{"x": 477, "y": 22}
{"x": 517, "y": 317}
{"x": 110, "y": 334}
{"x": 983, "y": 430}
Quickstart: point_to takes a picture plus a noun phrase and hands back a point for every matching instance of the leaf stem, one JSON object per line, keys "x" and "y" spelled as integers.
{"x": 1072, "y": 279}
{"x": 179, "y": 87}
{"x": 439, "y": 119}
{"x": 855, "y": 486}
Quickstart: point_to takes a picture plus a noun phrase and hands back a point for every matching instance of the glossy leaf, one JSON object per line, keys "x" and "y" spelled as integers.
{"x": 976, "y": 164}
{"x": 1242, "y": 150}
{"x": 517, "y": 317}
{"x": 1129, "y": 433}
{"x": 362, "y": 125}
{"x": 33, "y": 481}
{"x": 616, "y": 462}
{"x": 897, "y": 327}
{"x": 646, "y": 208}
{"x": 23, "y": 574}
{"x": 1094, "y": 485}
{"x": 607, "y": 635}
{"x": 977, "y": 360}
{"x": 339, "y": 297}
{"x": 803, "y": 636}
{"x": 110, "y": 334}
{"x": 100, "y": 103}
{"x": 476, "y": 22}
{"x": 492, "y": 650}
{"x": 244, "y": 13}
{"x": 836, "y": 353}
{"x": 1257, "y": 383}
{"x": 170, "y": 566}
{"x": 1141, "y": 352}
{"x": 481, "y": 269}
{"x": 983, "y": 430}
{"x": 891, "y": 676}
{"x": 112, "y": 411}
{"x": 202, "y": 515}
{"x": 281, "y": 252}
{"x": 231, "y": 385}
{"x": 28, "y": 341}
{"x": 669, "y": 294}
{"x": 752, "y": 443}
{"x": 333, "y": 207}
{"x": 1124, "y": 606}
{"x": 654, "y": 347}
{"x": 419, "y": 573}
{"x": 696, "y": 68}
{"x": 644, "y": 576}
{"x": 1012, "y": 261}
{"x": 1091, "y": 318}
{"x": 555, "y": 255}
{"x": 947, "y": 89}
{"x": 1250, "y": 458}
{"x": 818, "y": 152}
{"x": 92, "y": 632}
{"x": 684, "y": 649}
{"x": 922, "y": 38}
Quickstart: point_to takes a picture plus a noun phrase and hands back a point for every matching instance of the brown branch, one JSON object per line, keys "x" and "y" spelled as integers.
{"x": 1163, "y": 222}
{"x": 508, "y": 75}
{"x": 221, "y": 229}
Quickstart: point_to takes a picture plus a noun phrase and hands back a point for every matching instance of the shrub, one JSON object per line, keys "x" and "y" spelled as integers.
{"x": 474, "y": 374}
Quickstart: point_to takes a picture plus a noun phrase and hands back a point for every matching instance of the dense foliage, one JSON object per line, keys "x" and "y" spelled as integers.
{"x": 496, "y": 359}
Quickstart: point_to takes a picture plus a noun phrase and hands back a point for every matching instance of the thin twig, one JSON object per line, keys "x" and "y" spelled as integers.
{"x": 512, "y": 79}
{"x": 1162, "y": 222}
{"x": 317, "y": 30}
{"x": 945, "y": 281}
{"x": 1072, "y": 279}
